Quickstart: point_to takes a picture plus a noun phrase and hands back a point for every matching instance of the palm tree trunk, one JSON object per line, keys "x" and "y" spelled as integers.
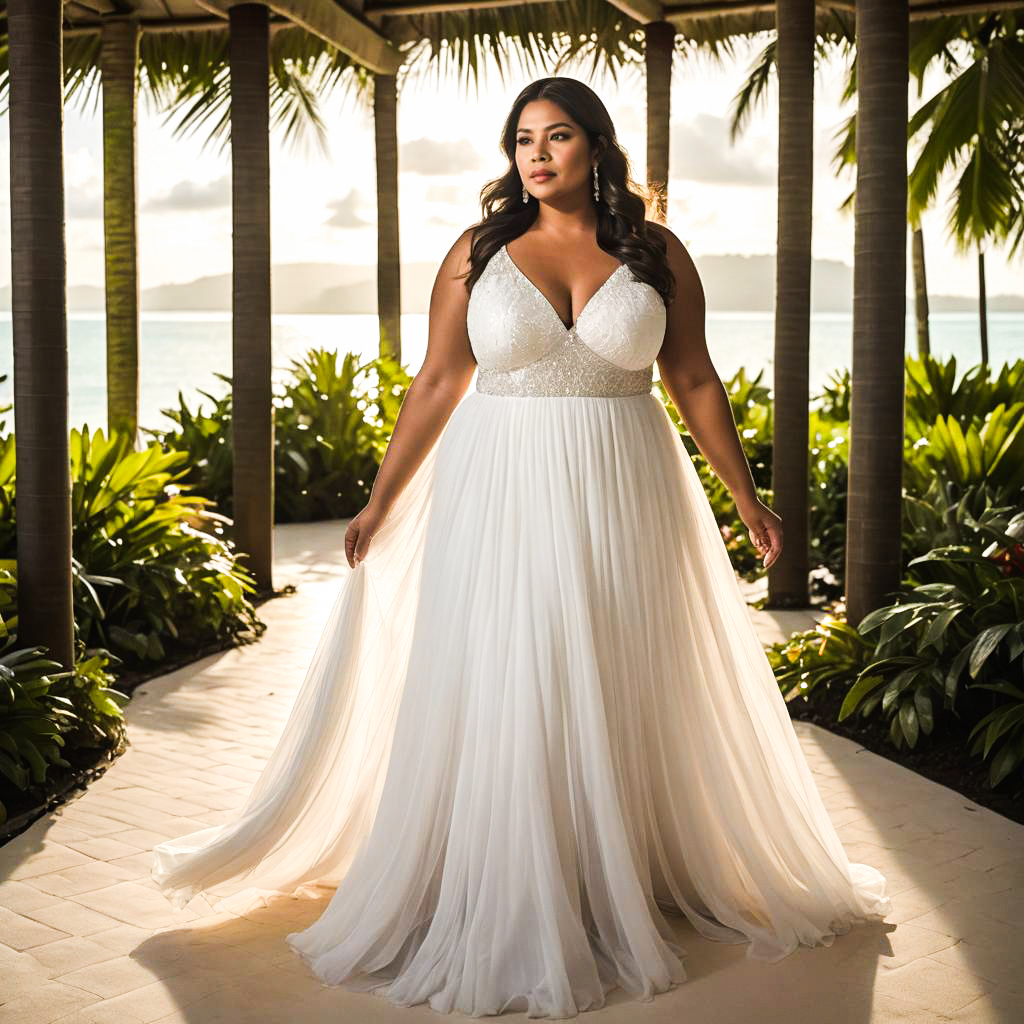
{"x": 251, "y": 396}
{"x": 982, "y": 306}
{"x": 874, "y": 510}
{"x": 921, "y": 294}
{"x": 660, "y": 47}
{"x": 39, "y": 327}
{"x": 389, "y": 267}
{"x": 119, "y": 54}
{"x": 788, "y": 577}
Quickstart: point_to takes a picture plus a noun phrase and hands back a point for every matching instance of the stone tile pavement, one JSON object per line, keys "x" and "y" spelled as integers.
{"x": 85, "y": 937}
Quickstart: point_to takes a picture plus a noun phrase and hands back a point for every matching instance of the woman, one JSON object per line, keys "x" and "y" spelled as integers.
{"x": 538, "y": 718}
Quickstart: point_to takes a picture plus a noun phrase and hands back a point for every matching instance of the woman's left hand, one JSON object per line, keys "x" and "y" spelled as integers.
{"x": 765, "y": 529}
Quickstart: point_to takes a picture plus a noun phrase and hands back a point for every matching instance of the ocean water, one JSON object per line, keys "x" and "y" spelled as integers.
{"x": 183, "y": 351}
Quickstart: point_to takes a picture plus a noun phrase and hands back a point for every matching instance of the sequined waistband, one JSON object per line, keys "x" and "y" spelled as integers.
{"x": 571, "y": 370}
{"x": 502, "y": 384}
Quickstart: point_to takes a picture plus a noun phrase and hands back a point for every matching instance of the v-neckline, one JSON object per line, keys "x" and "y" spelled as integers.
{"x": 547, "y": 301}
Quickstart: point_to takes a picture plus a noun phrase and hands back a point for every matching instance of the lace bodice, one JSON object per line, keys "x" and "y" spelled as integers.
{"x": 522, "y": 347}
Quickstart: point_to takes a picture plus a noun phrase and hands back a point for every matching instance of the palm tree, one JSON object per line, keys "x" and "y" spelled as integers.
{"x": 713, "y": 36}
{"x": 975, "y": 126}
{"x": 39, "y": 327}
{"x": 389, "y": 277}
{"x": 874, "y": 507}
{"x": 924, "y": 345}
{"x": 118, "y": 61}
{"x": 788, "y": 578}
{"x": 126, "y": 65}
{"x": 541, "y": 38}
{"x": 835, "y": 33}
{"x": 658, "y": 53}
{"x": 802, "y": 37}
{"x": 252, "y": 418}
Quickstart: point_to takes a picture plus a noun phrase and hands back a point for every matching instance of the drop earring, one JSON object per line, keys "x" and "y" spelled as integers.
{"x": 526, "y": 195}
{"x": 597, "y": 190}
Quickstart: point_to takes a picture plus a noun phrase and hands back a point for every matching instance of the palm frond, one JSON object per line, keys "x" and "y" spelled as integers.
{"x": 753, "y": 90}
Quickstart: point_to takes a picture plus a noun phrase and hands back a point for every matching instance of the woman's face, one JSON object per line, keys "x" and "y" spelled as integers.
{"x": 549, "y": 141}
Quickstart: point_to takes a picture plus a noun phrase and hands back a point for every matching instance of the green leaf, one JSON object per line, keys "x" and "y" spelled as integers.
{"x": 908, "y": 722}
{"x": 938, "y": 626}
{"x": 859, "y": 690}
{"x": 984, "y": 644}
{"x": 925, "y": 716}
{"x": 1009, "y": 757}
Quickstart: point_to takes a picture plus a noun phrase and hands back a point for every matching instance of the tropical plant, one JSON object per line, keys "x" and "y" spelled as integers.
{"x": 150, "y": 564}
{"x": 961, "y": 628}
{"x": 751, "y": 408}
{"x": 829, "y": 653}
{"x": 30, "y": 717}
{"x": 946, "y": 515}
{"x": 992, "y": 453}
{"x": 999, "y": 736}
{"x": 46, "y": 713}
{"x": 975, "y": 125}
{"x": 932, "y": 390}
{"x": 333, "y": 419}
{"x": 333, "y": 424}
{"x": 829, "y": 475}
{"x": 833, "y": 401}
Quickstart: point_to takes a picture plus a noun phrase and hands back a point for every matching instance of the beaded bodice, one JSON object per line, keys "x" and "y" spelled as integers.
{"x": 522, "y": 347}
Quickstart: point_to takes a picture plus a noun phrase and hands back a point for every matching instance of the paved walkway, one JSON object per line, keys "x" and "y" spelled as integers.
{"x": 85, "y": 938}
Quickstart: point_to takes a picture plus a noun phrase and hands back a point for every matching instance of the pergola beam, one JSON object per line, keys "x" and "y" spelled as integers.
{"x": 396, "y": 8}
{"x": 149, "y": 25}
{"x": 924, "y": 9}
{"x": 351, "y": 34}
{"x": 334, "y": 24}
{"x": 643, "y": 11}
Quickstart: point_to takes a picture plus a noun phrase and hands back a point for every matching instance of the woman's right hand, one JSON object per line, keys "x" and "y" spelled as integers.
{"x": 359, "y": 533}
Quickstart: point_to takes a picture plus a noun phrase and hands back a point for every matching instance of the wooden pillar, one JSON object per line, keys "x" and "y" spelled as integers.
{"x": 874, "y": 512}
{"x": 39, "y": 327}
{"x": 252, "y": 401}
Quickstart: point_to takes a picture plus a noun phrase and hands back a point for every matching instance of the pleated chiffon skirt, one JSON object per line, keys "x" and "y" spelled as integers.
{"x": 538, "y": 721}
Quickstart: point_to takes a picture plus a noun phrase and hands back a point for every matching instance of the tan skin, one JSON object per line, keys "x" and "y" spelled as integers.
{"x": 563, "y": 237}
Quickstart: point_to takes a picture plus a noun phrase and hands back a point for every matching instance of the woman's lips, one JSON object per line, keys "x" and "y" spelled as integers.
{"x": 542, "y": 176}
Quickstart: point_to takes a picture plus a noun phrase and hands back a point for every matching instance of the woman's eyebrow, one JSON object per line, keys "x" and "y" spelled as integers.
{"x": 557, "y": 124}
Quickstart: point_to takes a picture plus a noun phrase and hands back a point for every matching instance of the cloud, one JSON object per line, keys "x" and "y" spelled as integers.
{"x": 83, "y": 202}
{"x": 438, "y": 157}
{"x": 83, "y": 185}
{"x": 445, "y": 222}
{"x": 345, "y": 215}
{"x": 444, "y": 194}
{"x": 701, "y": 151}
{"x": 193, "y": 195}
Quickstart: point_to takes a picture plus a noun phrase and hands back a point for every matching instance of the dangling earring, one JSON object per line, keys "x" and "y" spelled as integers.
{"x": 526, "y": 195}
{"x": 597, "y": 190}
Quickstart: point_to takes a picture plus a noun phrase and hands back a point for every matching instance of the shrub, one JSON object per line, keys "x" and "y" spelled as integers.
{"x": 752, "y": 413}
{"x": 43, "y": 710}
{"x": 150, "y": 564}
{"x": 332, "y": 423}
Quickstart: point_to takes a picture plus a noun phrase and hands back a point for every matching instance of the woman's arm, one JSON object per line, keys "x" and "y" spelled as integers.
{"x": 697, "y": 392}
{"x": 434, "y": 393}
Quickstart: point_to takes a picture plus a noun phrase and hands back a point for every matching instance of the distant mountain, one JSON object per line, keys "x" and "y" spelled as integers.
{"x": 731, "y": 283}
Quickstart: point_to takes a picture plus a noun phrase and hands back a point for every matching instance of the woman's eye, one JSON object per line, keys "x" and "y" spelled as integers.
{"x": 554, "y": 135}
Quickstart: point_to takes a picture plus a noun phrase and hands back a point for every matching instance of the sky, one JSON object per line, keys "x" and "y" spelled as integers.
{"x": 721, "y": 196}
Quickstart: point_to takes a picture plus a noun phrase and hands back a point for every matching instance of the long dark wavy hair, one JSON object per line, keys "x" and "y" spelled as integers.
{"x": 621, "y": 210}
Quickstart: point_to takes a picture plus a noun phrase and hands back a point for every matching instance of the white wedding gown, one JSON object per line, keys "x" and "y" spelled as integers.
{"x": 539, "y": 717}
